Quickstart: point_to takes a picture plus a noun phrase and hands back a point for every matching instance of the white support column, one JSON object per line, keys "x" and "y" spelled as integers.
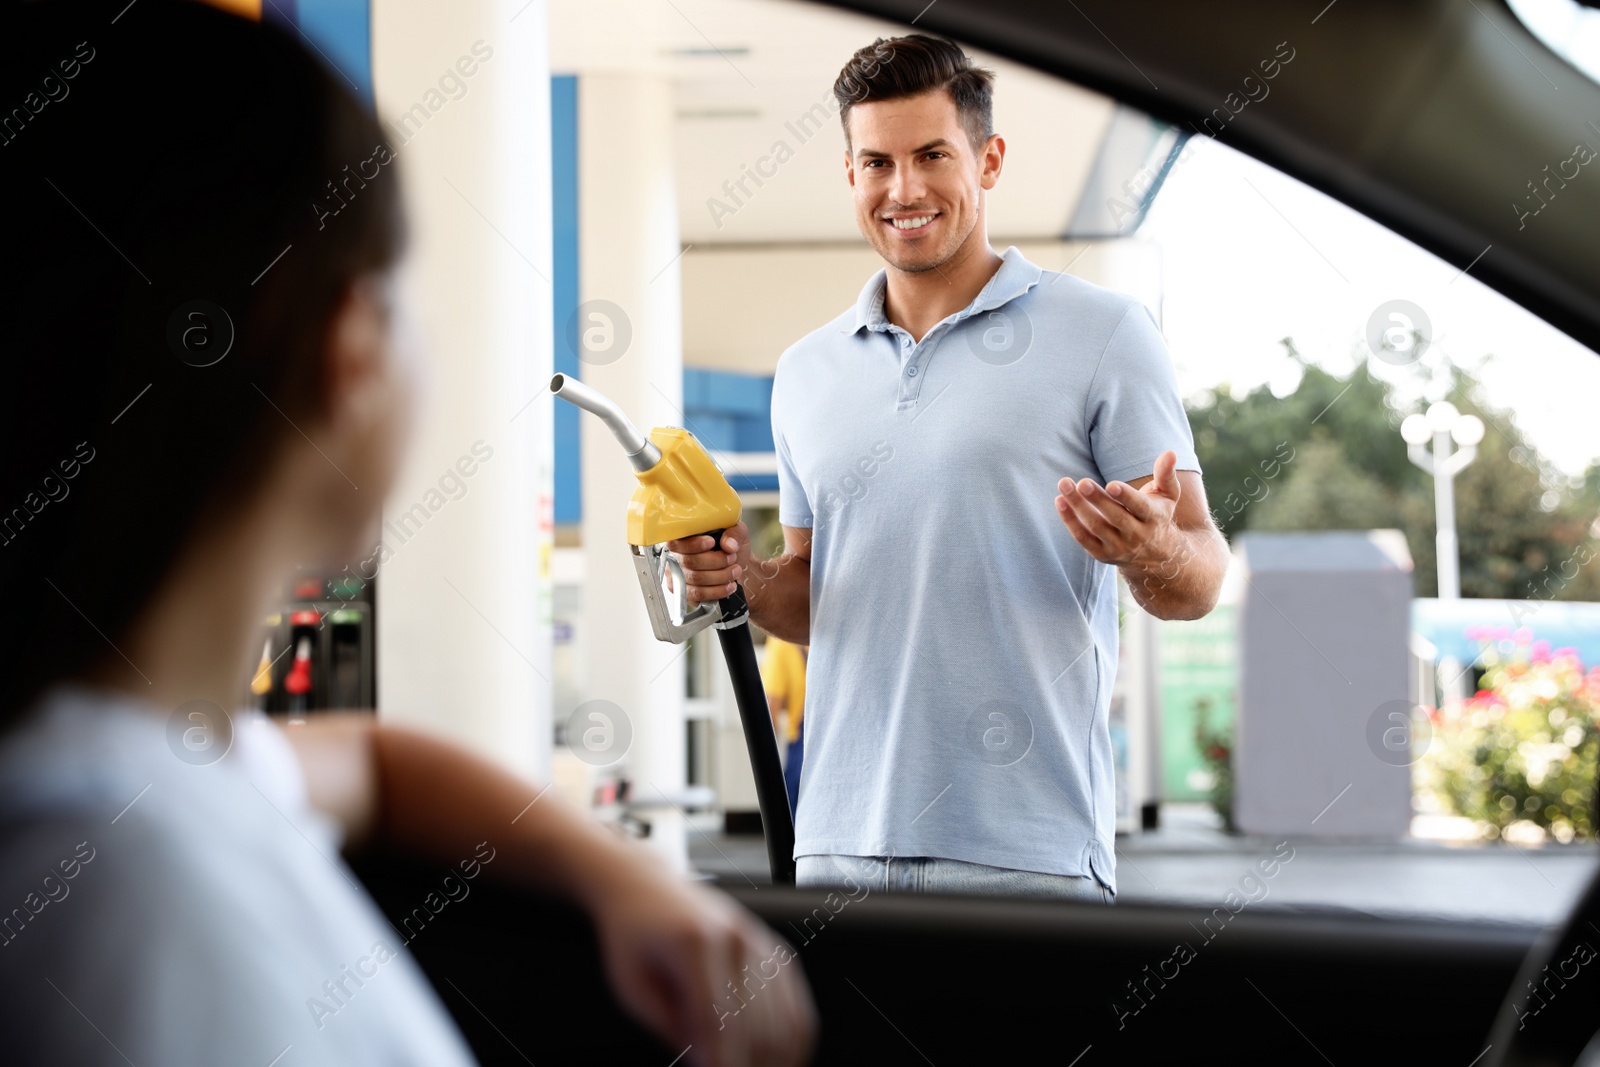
{"x": 628, "y": 233}
{"x": 463, "y": 592}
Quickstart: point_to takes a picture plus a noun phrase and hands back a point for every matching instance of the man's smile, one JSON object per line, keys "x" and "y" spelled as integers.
{"x": 909, "y": 225}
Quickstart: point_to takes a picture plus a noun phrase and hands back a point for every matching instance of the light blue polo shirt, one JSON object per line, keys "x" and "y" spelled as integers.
{"x": 963, "y": 645}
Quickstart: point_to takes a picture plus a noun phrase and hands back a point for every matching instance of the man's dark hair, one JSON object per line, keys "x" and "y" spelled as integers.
{"x": 894, "y": 67}
{"x": 168, "y": 156}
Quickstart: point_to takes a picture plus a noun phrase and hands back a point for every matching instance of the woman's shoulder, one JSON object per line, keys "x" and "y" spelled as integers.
{"x": 150, "y": 880}
{"x": 75, "y": 751}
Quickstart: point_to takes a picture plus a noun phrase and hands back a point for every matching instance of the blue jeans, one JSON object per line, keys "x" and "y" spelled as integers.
{"x": 794, "y": 756}
{"x": 931, "y": 874}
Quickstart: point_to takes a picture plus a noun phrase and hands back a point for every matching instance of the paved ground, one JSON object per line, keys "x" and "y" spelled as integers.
{"x": 1190, "y": 860}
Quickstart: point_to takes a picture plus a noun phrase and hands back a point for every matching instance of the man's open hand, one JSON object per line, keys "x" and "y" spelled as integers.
{"x": 1122, "y": 523}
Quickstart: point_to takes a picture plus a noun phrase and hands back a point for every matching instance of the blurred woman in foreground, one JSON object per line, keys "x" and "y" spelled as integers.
{"x": 155, "y": 492}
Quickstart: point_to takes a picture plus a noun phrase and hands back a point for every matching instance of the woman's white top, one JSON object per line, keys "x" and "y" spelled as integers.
{"x": 169, "y": 897}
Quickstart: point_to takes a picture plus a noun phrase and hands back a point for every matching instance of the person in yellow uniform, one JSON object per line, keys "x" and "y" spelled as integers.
{"x": 783, "y": 673}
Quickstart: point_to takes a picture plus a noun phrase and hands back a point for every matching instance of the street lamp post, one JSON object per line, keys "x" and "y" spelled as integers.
{"x": 1444, "y": 425}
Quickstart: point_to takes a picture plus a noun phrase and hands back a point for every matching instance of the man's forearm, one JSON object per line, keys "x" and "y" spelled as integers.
{"x": 1185, "y": 581}
{"x": 778, "y": 591}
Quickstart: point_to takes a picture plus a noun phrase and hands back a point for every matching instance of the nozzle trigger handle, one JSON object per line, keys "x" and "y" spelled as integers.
{"x": 733, "y": 605}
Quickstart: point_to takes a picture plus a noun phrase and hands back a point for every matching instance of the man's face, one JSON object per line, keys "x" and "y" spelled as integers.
{"x": 917, "y": 179}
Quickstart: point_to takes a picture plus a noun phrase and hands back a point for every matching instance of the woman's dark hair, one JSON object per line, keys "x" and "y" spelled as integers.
{"x": 894, "y": 67}
{"x": 171, "y": 264}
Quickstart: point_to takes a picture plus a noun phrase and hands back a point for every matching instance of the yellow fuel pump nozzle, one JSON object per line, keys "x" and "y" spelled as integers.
{"x": 682, "y": 493}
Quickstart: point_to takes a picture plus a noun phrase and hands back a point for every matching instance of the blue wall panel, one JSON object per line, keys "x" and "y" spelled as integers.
{"x": 338, "y": 30}
{"x": 738, "y": 406}
{"x": 564, "y": 258}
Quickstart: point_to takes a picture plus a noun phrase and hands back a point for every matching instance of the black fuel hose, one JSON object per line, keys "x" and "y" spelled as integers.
{"x": 777, "y": 820}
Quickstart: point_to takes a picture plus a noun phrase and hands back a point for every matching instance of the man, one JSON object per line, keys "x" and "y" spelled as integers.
{"x": 964, "y": 457}
{"x": 783, "y": 675}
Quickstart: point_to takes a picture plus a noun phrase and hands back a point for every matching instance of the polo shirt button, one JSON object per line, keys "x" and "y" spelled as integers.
{"x": 911, "y": 371}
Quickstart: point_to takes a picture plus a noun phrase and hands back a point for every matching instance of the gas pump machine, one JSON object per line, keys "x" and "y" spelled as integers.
{"x": 681, "y": 493}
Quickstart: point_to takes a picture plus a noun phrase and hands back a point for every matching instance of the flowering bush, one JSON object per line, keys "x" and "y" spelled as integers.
{"x": 1216, "y": 748}
{"x": 1519, "y": 754}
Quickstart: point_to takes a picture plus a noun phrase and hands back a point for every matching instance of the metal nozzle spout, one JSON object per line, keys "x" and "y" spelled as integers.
{"x": 641, "y": 453}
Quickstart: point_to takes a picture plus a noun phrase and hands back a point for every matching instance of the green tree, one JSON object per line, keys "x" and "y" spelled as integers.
{"x": 1329, "y": 456}
{"x": 1241, "y": 442}
{"x": 1323, "y": 490}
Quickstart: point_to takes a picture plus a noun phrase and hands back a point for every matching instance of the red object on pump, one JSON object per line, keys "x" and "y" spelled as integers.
{"x": 298, "y": 680}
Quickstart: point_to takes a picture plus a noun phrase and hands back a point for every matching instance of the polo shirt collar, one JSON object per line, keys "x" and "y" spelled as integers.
{"x": 1015, "y": 277}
